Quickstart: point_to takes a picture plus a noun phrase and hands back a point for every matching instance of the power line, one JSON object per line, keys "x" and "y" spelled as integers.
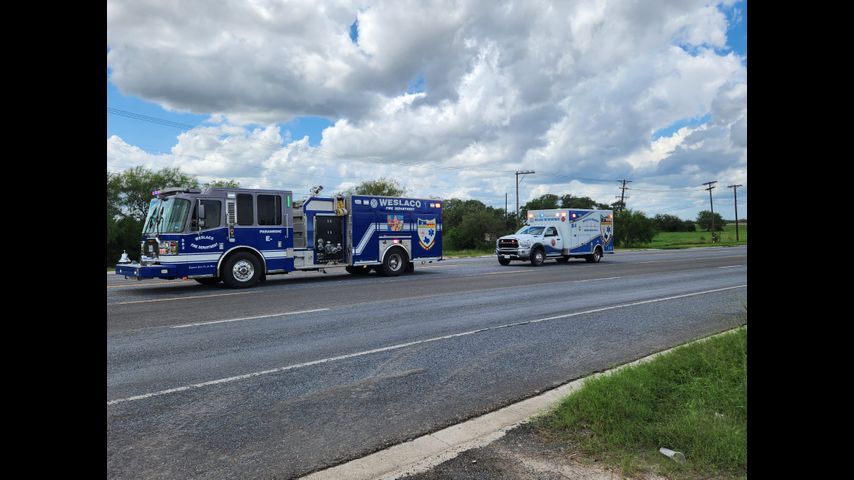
{"x": 146, "y": 118}
{"x": 523, "y": 173}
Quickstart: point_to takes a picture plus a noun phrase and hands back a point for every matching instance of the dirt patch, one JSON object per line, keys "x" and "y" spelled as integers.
{"x": 523, "y": 454}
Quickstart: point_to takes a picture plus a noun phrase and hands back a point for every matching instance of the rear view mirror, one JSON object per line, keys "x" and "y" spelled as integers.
{"x": 201, "y": 215}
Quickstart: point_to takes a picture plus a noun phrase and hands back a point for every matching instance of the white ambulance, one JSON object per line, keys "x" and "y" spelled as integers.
{"x": 561, "y": 234}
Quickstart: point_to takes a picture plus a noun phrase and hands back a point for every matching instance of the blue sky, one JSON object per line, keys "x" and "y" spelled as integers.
{"x": 464, "y": 71}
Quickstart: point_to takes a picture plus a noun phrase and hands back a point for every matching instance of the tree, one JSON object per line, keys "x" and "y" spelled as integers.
{"x": 704, "y": 221}
{"x": 672, "y": 223}
{"x": 632, "y": 228}
{"x": 137, "y": 184}
{"x": 468, "y": 223}
{"x": 543, "y": 202}
{"x": 383, "y": 187}
{"x": 223, "y": 184}
{"x": 568, "y": 201}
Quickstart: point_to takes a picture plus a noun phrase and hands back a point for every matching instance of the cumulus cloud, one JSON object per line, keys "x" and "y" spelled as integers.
{"x": 570, "y": 89}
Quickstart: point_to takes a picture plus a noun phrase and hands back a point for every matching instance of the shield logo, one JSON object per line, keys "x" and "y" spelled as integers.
{"x": 426, "y": 233}
{"x": 607, "y": 229}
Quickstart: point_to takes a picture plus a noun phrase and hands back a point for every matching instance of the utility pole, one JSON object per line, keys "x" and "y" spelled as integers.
{"x": 516, "y": 222}
{"x": 711, "y": 186}
{"x": 623, "y": 194}
{"x": 505, "y": 210}
{"x": 735, "y": 204}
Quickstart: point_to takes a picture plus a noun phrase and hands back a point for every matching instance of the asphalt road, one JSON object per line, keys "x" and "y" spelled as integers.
{"x": 308, "y": 370}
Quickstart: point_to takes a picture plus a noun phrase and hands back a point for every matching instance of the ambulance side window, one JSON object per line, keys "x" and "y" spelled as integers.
{"x": 551, "y": 232}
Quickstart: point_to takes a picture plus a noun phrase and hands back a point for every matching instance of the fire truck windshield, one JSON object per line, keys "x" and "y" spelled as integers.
{"x": 167, "y": 215}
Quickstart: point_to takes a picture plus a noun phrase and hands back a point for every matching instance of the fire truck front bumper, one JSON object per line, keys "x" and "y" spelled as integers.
{"x": 139, "y": 272}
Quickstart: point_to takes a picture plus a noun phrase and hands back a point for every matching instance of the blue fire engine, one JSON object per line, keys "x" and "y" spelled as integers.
{"x": 239, "y": 236}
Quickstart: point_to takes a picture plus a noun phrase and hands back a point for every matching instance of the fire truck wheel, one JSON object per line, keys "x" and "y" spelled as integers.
{"x": 395, "y": 262}
{"x": 358, "y": 270}
{"x": 504, "y": 261}
{"x": 241, "y": 270}
{"x": 538, "y": 257}
{"x": 208, "y": 281}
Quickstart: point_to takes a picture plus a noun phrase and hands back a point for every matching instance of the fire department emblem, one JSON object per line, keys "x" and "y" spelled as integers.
{"x": 426, "y": 233}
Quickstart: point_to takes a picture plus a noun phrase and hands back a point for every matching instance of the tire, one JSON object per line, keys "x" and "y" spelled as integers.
{"x": 597, "y": 255}
{"x": 504, "y": 261}
{"x": 410, "y": 267}
{"x": 562, "y": 259}
{"x": 358, "y": 270}
{"x": 395, "y": 262}
{"x": 538, "y": 256}
{"x": 208, "y": 281}
{"x": 241, "y": 270}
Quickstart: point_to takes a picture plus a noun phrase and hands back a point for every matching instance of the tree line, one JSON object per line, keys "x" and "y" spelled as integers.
{"x": 467, "y": 224}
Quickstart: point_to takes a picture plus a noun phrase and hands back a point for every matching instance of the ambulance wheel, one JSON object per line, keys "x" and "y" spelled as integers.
{"x": 410, "y": 267}
{"x": 538, "y": 257}
{"x": 562, "y": 259}
{"x": 241, "y": 270}
{"x": 394, "y": 263}
{"x": 504, "y": 261}
{"x": 358, "y": 270}
{"x": 208, "y": 281}
{"x": 597, "y": 255}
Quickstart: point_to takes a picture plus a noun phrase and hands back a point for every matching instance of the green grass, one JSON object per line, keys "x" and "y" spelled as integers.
{"x": 693, "y": 400}
{"x": 671, "y": 240}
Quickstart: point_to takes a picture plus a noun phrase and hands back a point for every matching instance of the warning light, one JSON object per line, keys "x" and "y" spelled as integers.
{"x": 156, "y": 192}
{"x": 573, "y": 215}
{"x": 438, "y": 205}
{"x": 395, "y": 241}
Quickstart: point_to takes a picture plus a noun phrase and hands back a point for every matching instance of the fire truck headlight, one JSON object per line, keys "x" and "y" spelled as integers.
{"x": 169, "y": 248}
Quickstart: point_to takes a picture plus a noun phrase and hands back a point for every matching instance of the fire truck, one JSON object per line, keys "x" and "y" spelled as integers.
{"x": 239, "y": 236}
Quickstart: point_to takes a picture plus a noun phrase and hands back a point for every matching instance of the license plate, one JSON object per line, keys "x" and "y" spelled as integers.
{"x": 506, "y": 256}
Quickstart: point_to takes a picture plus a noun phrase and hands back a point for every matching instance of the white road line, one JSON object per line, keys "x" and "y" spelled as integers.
{"x": 182, "y": 298}
{"x": 595, "y": 279}
{"x": 404, "y": 345}
{"x": 250, "y": 318}
{"x": 497, "y": 273}
{"x": 732, "y": 266}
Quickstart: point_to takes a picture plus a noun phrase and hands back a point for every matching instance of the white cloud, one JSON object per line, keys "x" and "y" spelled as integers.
{"x": 569, "y": 89}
